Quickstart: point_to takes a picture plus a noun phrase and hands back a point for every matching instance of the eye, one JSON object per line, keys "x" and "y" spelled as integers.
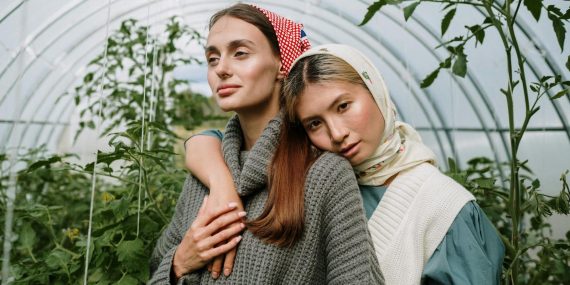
{"x": 240, "y": 53}
{"x": 343, "y": 106}
{"x": 313, "y": 125}
{"x": 213, "y": 60}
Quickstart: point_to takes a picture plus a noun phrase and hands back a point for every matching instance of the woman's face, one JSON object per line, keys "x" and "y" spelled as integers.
{"x": 341, "y": 117}
{"x": 243, "y": 71}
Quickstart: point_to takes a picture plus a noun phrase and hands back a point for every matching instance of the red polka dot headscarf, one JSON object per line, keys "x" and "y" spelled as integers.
{"x": 290, "y": 36}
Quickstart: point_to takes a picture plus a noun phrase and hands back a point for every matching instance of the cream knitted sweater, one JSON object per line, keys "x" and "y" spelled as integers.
{"x": 335, "y": 247}
{"x": 411, "y": 220}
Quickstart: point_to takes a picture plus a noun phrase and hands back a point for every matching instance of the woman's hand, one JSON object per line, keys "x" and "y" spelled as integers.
{"x": 200, "y": 243}
{"x": 220, "y": 197}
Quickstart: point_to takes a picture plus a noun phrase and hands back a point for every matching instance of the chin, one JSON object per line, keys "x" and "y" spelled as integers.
{"x": 355, "y": 161}
{"x": 226, "y": 105}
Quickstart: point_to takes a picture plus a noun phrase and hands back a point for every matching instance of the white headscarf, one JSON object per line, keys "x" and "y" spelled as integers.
{"x": 401, "y": 146}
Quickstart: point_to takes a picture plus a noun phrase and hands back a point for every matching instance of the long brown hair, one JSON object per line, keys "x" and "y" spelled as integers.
{"x": 282, "y": 221}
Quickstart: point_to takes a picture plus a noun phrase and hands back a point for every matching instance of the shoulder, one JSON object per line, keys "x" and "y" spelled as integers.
{"x": 330, "y": 173}
{"x": 427, "y": 177}
{"x": 330, "y": 165}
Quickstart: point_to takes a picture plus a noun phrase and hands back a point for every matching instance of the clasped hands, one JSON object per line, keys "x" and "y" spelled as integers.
{"x": 211, "y": 239}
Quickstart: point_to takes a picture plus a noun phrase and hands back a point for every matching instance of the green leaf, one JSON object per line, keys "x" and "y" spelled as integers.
{"x": 478, "y": 32}
{"x": 372, "y": 9}
{"x": 409, "y": 10}
{"x": 44, "y": 163}
{"x": 429, "y": 79}
{"x": 447, "y": 20}
{"x": 561, "y": 94}
{"x": 460, "y": 65}
{"x": 568, "y": 63}
{"x": 128, "y": 280}
{"x": 130, "y": 250}
{"x": 27, "y": 236}
{"x": 486, "y": 183}
{"x": 534, "y": 7}
{"x": 120, "y": 208}
{"x": 452, "y": 165}
{"x": 375, "y": 7}
{"x": 536, "y": 183}
{"x": 446, "y": 63}
{"x": 558, "y": 26}
{"x": 58, "y": 259}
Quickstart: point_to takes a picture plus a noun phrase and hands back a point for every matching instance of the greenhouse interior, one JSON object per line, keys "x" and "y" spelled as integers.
{"x": 97, "y": 98}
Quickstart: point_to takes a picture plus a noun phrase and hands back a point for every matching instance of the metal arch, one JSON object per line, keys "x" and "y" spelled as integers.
{"x": 480, "y": 93}
{"x": 9, "y": 11}
{"x": 44, "y": 78}
{"x": 44, "y": 28}
{"x": 437, "y": 136}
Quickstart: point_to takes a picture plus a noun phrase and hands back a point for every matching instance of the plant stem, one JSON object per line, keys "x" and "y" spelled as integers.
{"x": 514, "y": 186}
{"x": 149, "y": 195}
{"x": 29, "y": 250}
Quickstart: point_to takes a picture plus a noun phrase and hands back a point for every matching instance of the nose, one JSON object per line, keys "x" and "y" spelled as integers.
{"x": 338, "y": 132}
{"x": 223, "y": 68}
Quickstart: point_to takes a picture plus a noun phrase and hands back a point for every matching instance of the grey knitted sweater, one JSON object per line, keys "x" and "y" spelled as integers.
{"x": 335, "y": 247}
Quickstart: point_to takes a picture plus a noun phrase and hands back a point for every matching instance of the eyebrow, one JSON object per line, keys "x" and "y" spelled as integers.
{"x": 231, "y": 45}
{"x": 330, "y": 106}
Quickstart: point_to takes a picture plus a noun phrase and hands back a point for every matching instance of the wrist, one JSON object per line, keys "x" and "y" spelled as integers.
{"x": 177, "y": 269}
{"x": 221, "y": 184}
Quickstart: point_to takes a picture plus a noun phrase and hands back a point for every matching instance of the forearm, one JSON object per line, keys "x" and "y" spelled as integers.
{"x": 205, "y": 161}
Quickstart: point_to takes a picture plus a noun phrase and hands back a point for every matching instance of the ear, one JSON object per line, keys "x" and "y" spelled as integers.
{"x": 281, "y": 74}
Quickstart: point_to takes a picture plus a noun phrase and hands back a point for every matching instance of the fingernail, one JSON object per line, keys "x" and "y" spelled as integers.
{"x": 227, "y": 272}
{"x": 238, "y": 238}
{"x": 232, "y": 204}
{"x": 215, "y": 275}
{"x": 242, "y": 214}
{"x": 242, "y": 225}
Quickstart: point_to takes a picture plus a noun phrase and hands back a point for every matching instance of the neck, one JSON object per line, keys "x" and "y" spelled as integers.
{"x": 254, "y": 122}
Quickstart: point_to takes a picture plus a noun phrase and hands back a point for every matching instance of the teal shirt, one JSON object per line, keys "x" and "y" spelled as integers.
{"x": 470, "y": 253}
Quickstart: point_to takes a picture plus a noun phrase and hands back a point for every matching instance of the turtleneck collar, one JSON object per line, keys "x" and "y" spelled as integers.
{"x": 250, "y": 175}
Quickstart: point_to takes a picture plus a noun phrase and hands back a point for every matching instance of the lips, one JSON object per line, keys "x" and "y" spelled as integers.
{"x": 227, "y": 89}
{"x": 350, "y": 150}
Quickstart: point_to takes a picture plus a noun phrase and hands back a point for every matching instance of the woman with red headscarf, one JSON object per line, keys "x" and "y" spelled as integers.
{"x": 315, "y": 235}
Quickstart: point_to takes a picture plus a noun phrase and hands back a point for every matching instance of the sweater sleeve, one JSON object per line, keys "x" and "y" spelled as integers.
{"x": 349, "y": 251}
{"x": 163, "y": 253}
{"x": 210, "y": 132}
{"x": 470, "y": 253}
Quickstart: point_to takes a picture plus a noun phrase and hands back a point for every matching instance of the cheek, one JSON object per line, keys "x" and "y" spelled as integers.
{"x": 211, "y": 80}
{"x": 256, "y": 69}
{"x": 321, "y": 141}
